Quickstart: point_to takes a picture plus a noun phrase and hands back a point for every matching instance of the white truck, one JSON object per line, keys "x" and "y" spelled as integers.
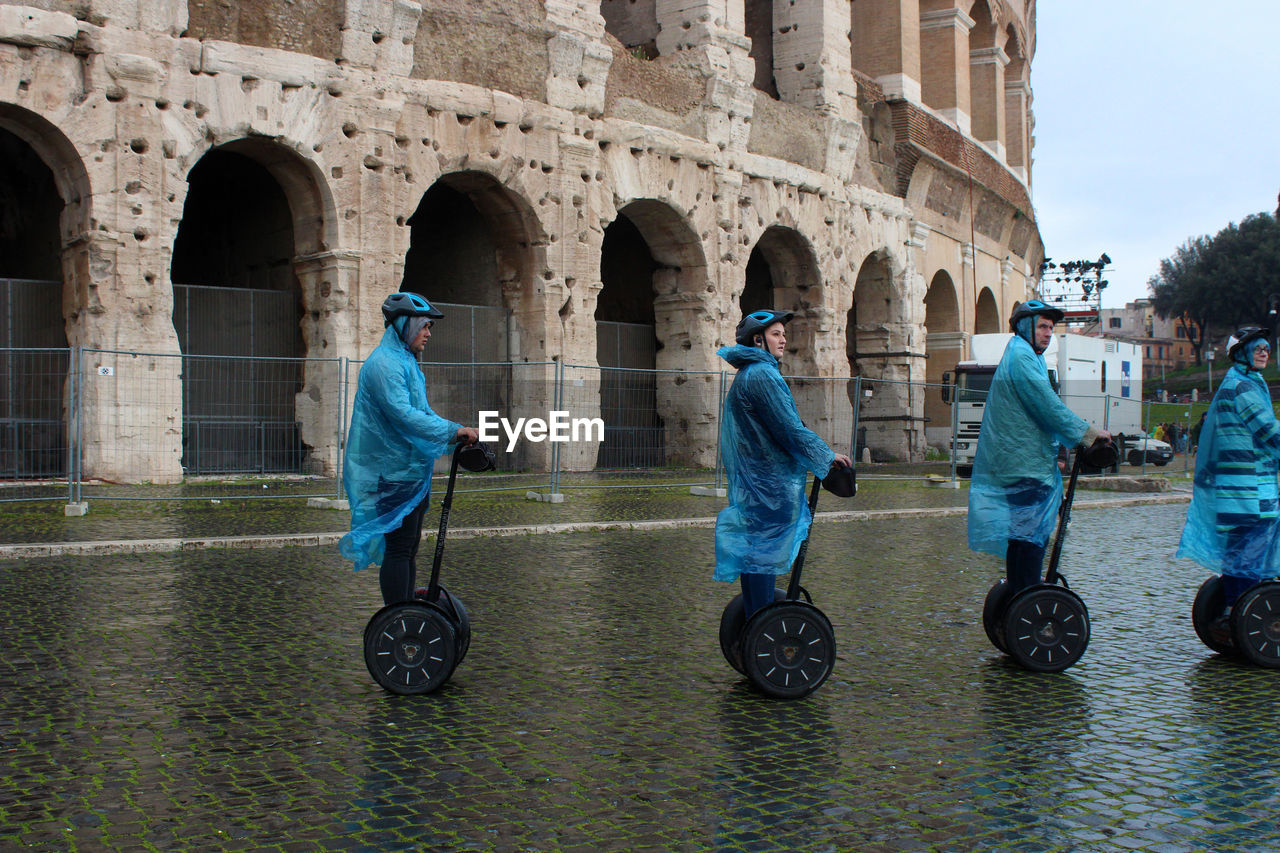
{"x": 1098, "y": 378}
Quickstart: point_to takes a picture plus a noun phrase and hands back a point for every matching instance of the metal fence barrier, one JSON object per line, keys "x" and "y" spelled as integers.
{"x": 86, "y": 424}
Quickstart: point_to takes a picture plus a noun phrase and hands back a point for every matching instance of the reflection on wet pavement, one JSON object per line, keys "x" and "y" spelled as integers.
{"x": 218, "y": 700}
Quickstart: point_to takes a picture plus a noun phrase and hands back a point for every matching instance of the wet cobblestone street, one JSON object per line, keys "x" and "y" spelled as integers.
{"x": 219, "y": 700}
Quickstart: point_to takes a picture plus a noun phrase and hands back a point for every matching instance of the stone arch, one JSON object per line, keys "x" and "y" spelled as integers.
{"x": 1017, "y": 99}
{"x": 257, "y": 224}
{"x": 783, "y": 273}
{"x": 41, "y": 184}
{"x": 987, "y": 61}
{"x": 650, "y": 313}
{"x": 986, "y": 314}
{"x": 472, "y": 249}
{"x": 944, "y": 345}
{"x": 876, "y": 341}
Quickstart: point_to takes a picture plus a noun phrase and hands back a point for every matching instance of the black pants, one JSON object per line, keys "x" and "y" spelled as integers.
{"x": 399, "y": 563}
{"x": 1022, "y": 563}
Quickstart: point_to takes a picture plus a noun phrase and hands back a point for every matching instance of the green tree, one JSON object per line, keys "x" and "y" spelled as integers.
{"x": 1181, "y": 290}
{"x": 1228, "y": 280}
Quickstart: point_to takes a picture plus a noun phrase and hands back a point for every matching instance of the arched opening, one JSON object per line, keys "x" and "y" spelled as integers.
{"x": 237, "y": 311}
{"x": 944, "y": 346}
{"x": 759, "y": 28}
{"x": 647, "y": 318}
{"x": 986, "y": 76}
{"x": 782, "y": 273}
{"x": 1017, "y": 97}
{"x": 634, "y": 23}
{"x": 867, "y": 345}
{"x": 469, "y": 253}
{"x": 627, "y": 350}
{"x": 986, "y": 316}
{"x": 33, "y": 339}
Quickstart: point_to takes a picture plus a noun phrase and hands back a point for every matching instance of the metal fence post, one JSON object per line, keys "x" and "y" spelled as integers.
{"x": 557, "y": 395}
{"x": 955, "y": 428}
{"x": 857, "y": 411}
{"x": 341, "y": 444}
{"x": 73, "y": 427}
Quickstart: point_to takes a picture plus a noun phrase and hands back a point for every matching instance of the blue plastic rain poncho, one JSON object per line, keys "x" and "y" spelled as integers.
{"x": 392, "y": 447}
{"x": 1231, "y": 523}
{"x": 1016, "y": 487}
{"x": 766, "y": 451}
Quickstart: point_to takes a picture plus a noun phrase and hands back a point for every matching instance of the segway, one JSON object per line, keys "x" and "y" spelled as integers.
{"x": 413, "y": 647}
{"x": 1253, "y": 626}
{"x": 787, "y": 648}
{"x": 1045, "y": 628}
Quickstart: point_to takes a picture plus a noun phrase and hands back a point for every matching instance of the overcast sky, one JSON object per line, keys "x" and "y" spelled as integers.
{"x": 1155, "y": 122}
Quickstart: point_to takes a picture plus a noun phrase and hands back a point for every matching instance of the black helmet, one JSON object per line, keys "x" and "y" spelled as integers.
{"x": 756, "y": 322}
{"x": 1029, "y": 309}
{"x": 1244, "y": 335}
{"x": 407, "y": 305}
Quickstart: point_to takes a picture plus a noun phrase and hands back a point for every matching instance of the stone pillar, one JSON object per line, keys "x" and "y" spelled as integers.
{"x": 811, "y": 61}
{"x": 886, "y": 45}
{"x": 579, "y": 57}
{"x": 944, "y": 64}
{"x": 153, "y": 16}
{"x": 327, "y": 281}
{"x": 986, "y": 76}
{"x": 378, "y": 34}
{"x": 714, "y": 31}
{"x": 1017, "y": 97}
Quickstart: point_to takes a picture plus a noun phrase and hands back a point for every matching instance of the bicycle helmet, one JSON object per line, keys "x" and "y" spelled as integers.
{"x": 1031, "y": 308}
{"x": 1243, "y": 336}
{"x": 407, "y": 305}
{"x": 756, "y": 322}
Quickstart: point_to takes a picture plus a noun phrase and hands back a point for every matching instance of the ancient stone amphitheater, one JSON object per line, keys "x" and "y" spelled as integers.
{"x": 605, "y": 182}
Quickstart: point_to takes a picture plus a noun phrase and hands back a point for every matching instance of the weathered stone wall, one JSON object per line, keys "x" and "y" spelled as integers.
{"x": 313, "y": 27}
{"x": 538, "y": 116}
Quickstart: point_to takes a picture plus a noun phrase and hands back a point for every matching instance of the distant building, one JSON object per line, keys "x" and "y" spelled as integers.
{"x": 1164, "y": 341}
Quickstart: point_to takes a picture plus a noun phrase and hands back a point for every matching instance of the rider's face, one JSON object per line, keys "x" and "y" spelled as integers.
{"x": 1044, "y": 333}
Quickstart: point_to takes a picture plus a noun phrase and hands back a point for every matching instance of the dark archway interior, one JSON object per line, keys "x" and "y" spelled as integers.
{"x": 626, "y": 271}
{"x": 759, "y": 28}
{"x": 29, "y": 208}
{"x": 626, "y": 338}
{"x": 452, "y": 255}
{"x": 32, "y": 428}
{"x": 237, "y": 229}
{"x": 758, "y": 292}
{"x": 235, "y": 294}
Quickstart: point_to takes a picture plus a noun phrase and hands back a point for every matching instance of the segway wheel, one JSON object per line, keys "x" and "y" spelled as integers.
{"x": 453, "y": 606}
{"x": 788, "y": 649}
{"x": 1255, "y": 625}
{"x": 992, "y": 609}
{"x": 1046, "y": 628}
{"x": 410, "y": 648}
{"x": 732, "y": 622}
{"x": 1207, "y": 607}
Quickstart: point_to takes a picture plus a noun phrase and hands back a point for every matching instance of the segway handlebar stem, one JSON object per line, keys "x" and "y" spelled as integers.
{"x": 793, "y": 588}
{"x": 1064, "y": 518}
{"x": 433, "y": 590}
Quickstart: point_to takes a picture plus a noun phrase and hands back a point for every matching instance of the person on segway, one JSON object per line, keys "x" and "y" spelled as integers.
{"x": 1231, "y": 522}
{"x": 393, "y": 443}
{"x": 766, "y": 451}
{"x": 1016, "y": 488}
